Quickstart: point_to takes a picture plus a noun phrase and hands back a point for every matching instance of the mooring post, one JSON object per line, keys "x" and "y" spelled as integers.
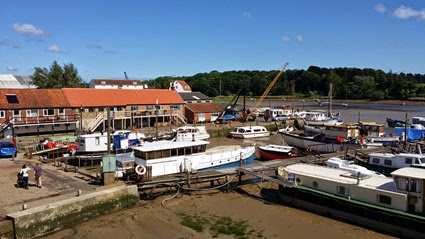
{"x": 228, "y": 184}
{"x": 240, "y": 173}
{"x": 188, "y": 179}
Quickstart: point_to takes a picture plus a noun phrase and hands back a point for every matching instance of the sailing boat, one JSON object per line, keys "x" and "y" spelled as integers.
{"x": 320, "y": 118}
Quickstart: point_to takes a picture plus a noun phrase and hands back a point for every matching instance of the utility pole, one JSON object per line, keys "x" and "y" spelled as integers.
{"x": 108, "y": 117}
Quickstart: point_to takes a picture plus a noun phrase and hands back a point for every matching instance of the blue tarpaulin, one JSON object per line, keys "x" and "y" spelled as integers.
{"x": 412, "y": 134}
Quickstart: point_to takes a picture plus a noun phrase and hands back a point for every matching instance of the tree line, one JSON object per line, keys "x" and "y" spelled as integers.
{"x": 348, "y": 83}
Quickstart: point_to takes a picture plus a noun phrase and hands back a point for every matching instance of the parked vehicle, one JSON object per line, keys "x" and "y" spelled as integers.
{"x": 281, "y": 117}
{"x": 8, "y": 149}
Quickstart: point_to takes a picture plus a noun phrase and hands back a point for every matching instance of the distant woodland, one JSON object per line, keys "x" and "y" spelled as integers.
{"x": 348, "y": 83}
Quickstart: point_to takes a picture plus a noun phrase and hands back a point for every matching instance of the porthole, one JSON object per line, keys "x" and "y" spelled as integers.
{"x": 298, "y": 180}
{"x": 315, "y": 184}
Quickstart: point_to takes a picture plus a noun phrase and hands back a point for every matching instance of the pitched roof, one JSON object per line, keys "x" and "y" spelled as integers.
{"x": 89, "y": 97}
{"x": 204, "y": 107}
{"x": 116, "y": 82}
{"x": 32, "y": 99}
{"x": 183, "y": 84}
{"x": 193, "y": 96}
{"x": 9, "y": 81}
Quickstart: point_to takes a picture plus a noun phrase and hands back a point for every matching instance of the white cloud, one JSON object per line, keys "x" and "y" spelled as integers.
{"x": 27, "y": 29}
{"x": 247, "y": 14}
{"x": 380, "y": 8}
{"x": 404, "y": 12}
{"x": 94, "y": 46}
{"x": 11, "y": 68}
{"x": 53, "y": 48}
{"x": 286, "y": 38}
{"x": 299, "y": 38}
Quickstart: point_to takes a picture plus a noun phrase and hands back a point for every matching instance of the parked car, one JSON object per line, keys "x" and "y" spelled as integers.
{"x": 7, "y": 149}
{"x": 281, "y": 117}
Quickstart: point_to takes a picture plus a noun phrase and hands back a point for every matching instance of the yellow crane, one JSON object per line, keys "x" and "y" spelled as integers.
{"x": 270, "y": 87}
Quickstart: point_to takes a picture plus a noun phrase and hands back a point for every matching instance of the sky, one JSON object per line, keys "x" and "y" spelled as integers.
{"x": 148, "y": 39}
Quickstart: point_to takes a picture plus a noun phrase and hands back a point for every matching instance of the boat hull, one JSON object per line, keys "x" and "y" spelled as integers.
{"x": 270, "y": 155}
{"x": 249, "y": 135}
{"x": 354, "y": 212}
{"x": 311, "y": 144}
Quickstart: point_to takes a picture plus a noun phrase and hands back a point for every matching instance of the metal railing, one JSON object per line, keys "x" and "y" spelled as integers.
{"x": 44, "y": 119}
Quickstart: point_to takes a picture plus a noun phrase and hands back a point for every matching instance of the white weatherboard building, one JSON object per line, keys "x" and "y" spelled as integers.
{"x": 117, "y": 84}
{"x": 9, "y": 81}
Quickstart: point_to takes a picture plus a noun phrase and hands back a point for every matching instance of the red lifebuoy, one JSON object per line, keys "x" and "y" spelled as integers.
{"x": 140, "y": 169}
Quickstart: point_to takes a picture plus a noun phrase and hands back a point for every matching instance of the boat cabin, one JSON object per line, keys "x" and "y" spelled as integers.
{"x": 341, "y": 131}
{"x": 166, "y": 149}
{"x": 396, "y": 161}
{"x": 97, "y": 142}
{"x": 315, "y": 116}
{"x": 411, "y": 181}
{"x": 192, "y": 133}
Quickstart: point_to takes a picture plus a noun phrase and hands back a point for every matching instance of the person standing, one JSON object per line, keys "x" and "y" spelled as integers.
{"x": 37, "y": 174}
{"x": 24, "y": 173}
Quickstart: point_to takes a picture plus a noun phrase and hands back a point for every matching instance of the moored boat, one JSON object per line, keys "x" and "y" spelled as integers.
{"x": 246, "y": 132}
{"x": 395, "y": 205}
{"x": 386, "y": 162}
{"x": 272, "y": 151}
{"x": 312, "y": 143}
{"x": 170, "y": 157}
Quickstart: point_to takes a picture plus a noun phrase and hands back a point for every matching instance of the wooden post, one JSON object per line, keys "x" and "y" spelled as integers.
{"x": 405, "y": 131}
{"x": 108, "y": 117}
{"x": 240, "y": 173}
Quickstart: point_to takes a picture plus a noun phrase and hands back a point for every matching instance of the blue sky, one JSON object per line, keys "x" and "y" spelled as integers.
{"x": 148, "y": 39}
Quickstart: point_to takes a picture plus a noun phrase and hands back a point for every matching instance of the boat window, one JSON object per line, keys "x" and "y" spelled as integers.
{"x": 384, "y": 199}
{"x": 173, "y": 152}
{"x": 181, "y": 151}
{"x": 257, "y": 130}
{"x": 197, "y": 149}
{"x": 401, "y": 183}
{"x": 203, "y": 148}
{"x": 415, "y": 186}
{"x": 188, "y": 150}
{"x": 416, "y": 161}
{"x": 387, "y": 162}
{"x": 375, "y": 160}
{"x": 408, "y": 160}
{"x": 248, "y": 131}
{"x": 340, "y": 190}
{"x": 241, "y": 130}
{"x": 166, "y": 153}
{"x": 158, "y": 154}
{"x": 97, "y": 141}
{"x": 421, "y": 160}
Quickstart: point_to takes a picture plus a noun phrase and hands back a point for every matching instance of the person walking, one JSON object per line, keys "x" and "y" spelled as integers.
{"x": 37, "y": 174}
{"x": 24, "y": 173}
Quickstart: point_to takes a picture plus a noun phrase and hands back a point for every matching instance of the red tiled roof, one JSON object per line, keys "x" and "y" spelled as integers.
{"x": 204, "y": 107}
{"x": 89, "y": 97}
{"x": 116, "y": 82}
{"x": 34, "y": 99}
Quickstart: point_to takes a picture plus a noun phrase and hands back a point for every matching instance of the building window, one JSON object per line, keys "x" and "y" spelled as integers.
{"x": 2, "y": 114}
{"x": 119, "y": 108}
{"x": 91, "y": 109}
{"x": 214, "y": 114}
{"x": 48, "y": 112}
{"x": 61, "y": 111}
{"x": 384, "y": 199}
{"x": 12, "y": 99}
{"x": 175, "y": 107}
{"x": 32, "y": 113}
{"x": 100, "y": 109}
{"x": 97, "y": 141}
{"x": 16, "y": 113}
{"x": 134, "y": 108}
{"x": 150, "y": 107}
{"x": 134, "y": 83}
{"x": 103, "y": 82}
{"x": 111, "y": 108}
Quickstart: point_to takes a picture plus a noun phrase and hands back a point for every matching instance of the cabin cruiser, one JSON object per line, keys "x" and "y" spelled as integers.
{"x": 191, "y": 132}
{"x": 272, "y": 151}
{"x": 246, "y": 132}
{"x": 387, "y": 162}
{"x": 160, "y": 158}
{"x": 350, "y": 167}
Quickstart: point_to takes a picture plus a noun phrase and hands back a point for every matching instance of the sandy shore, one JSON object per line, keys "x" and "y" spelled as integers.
{"x": 265, "y": 216}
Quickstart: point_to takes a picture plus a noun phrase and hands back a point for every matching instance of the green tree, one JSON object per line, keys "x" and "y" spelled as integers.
{"x": 57, "y": 77}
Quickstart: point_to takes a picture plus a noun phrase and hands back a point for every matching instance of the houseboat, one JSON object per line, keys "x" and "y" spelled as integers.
{"x": 395, "y": 205}
{"x": 271, "y": 151}
{"x": 246, "y": 132}
{"x": 386, "y": 163}
{"x": 97, "y": 142}
{"x": 170, "y": 157}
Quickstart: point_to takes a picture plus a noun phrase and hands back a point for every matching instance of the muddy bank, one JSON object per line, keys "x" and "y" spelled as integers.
{"x": 260, "y": 210}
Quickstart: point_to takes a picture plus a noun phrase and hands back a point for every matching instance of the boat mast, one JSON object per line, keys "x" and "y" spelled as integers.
{"x": 330, "y": 100}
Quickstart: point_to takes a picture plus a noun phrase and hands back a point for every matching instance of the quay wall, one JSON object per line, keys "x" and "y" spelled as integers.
{"x": 45, "y": 219}
{"x": 6, "y": 229}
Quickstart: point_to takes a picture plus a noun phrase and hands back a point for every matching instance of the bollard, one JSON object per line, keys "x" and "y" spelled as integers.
{"x": 24, "y": 206}
{"x": 79, "y": 192}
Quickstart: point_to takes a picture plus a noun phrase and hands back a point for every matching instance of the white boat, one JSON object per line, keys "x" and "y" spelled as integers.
{"x": 312, "y": 143}
{"x": 191, "y": 132}
{"x": 170, "y": 157}
{"x": 97, "y": 142}
{"x": 247, "y": 132}
{"x": 320, "y": 118}
{"x": 350, "y": 167}
{"x": 395, "y": 205}
{"x": 387, "y": 162}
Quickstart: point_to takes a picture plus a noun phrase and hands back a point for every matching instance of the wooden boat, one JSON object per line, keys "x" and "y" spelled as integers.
{"x": 313, "y": 143}
{"x": 395, "y": 205}
{"x": 246, "y": 132}
{"x": 170, "y": 157}
{"x": 272, "y": 151}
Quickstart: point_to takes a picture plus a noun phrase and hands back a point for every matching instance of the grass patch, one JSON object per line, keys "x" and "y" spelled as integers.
{"x": 220, "y": 226}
